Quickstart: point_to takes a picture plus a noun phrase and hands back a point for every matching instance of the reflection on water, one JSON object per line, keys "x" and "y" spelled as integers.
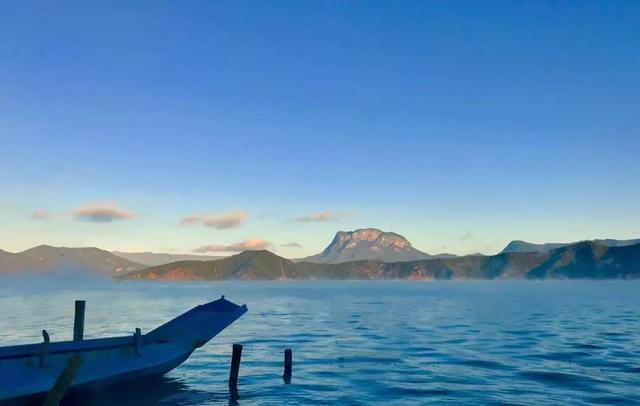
{"x": 365, "y": 342}
{"x": 164, "y": 390}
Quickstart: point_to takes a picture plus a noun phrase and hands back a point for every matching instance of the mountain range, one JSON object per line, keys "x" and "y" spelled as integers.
{"x": 584, "y": 260}
{"x": 361, "y": 254}
{"x": 45, "y": 259}
{"x": 61, "y": 260}
{"x": 523, "y": 246}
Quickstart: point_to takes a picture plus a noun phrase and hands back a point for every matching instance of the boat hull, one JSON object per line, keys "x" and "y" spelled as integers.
{"x": 149, "y": 373}
{"x": 27, "y": 371}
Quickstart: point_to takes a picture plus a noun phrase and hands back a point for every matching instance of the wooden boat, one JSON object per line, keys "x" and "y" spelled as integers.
{"x": 31, "y": 370}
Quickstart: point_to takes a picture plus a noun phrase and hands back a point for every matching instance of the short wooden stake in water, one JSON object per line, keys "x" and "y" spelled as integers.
{"x": 63, "y": 382}
{"x": 235, "y": 369}
{"x": 137, "y": 337}
{"x": 78, "y": 321}
{"x": 288, "y": 365}
{"x": 44, "y": 352}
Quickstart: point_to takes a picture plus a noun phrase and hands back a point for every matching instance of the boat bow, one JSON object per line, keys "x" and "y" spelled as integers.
{"x": 199, "y": 325}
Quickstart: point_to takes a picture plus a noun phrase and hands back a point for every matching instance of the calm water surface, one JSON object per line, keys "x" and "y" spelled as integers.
{"x": 358, "y": 343}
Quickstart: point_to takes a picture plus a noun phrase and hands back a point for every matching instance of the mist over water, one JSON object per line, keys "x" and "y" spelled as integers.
{"x": 356, "y": 343}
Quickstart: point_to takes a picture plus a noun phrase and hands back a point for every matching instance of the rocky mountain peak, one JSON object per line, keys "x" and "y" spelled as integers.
{"x": 373, "y": 236}
{"x": 364, "y": 234}
{"x": 368, "y": 244}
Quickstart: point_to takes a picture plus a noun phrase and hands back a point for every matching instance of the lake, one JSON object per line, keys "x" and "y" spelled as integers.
{"x": 357, "y": 343}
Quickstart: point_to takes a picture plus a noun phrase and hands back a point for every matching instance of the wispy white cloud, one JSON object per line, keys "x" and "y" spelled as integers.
{"x": 232, "y": 219}
{"x": 255, "y": 244}
{"x": 40, "y": 215}
{"x": 226, "y": 220}
{"x": 191, "y": 220}
{"x": 292, "y": 245}
{"x": 327, "y": 215}
{"x": 101, "y": 213}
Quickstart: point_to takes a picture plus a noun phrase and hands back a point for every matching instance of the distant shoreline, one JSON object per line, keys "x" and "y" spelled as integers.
{"x": 585, "y": 260}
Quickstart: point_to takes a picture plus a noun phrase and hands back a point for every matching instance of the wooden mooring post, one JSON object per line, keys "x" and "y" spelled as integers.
{"x": 44, "y": 351}
{"x": 55, "y": 395}
{"x": 288, "y": 365}
{"x": 78, "y": 321}
{"x": 137, "y": 338}
{"x": 235, "y": 370}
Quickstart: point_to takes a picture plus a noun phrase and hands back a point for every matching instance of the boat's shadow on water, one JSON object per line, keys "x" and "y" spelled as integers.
{"x": 161, "y": 390}
{"x": 153, "y": 391}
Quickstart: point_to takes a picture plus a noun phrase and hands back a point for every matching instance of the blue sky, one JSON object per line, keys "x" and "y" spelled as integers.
{"x": 461, "y": 125}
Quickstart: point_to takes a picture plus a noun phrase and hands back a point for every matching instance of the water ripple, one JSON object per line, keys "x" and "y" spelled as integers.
{"x": 361, "y": 343}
